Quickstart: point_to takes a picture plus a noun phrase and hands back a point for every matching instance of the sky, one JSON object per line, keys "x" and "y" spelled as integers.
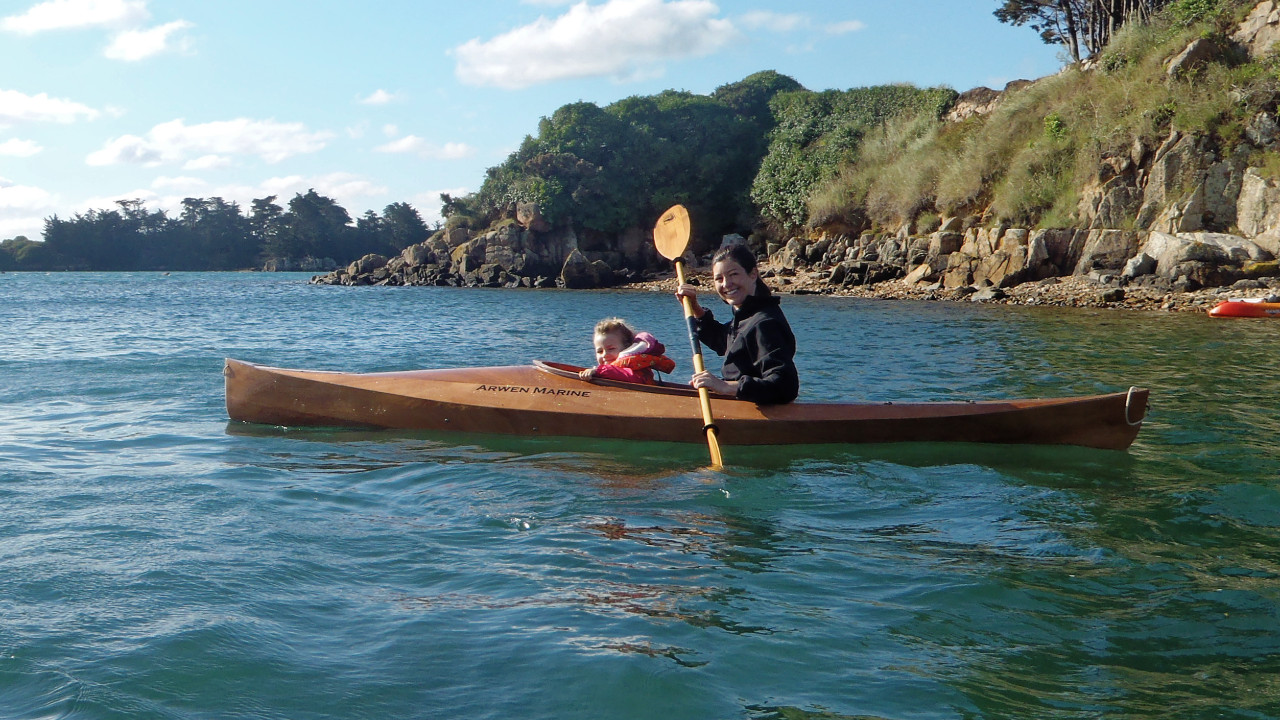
{"x": 374, "y": 102}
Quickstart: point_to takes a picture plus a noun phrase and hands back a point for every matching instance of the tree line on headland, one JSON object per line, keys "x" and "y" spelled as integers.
{"x": 213, "y": 234}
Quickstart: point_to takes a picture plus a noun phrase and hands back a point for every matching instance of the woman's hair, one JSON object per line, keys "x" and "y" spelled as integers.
{"x": 737, "y": 253}
{"x": 618, "y": 325}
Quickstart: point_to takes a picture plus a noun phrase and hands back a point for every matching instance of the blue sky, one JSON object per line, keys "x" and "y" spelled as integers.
{"x": 372, "y": 103}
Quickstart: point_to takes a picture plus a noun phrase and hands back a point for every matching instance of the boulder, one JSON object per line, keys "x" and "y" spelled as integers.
{"x": 1178, "y": 164}
{"x": 1260, "y": 30}
{"x": 469, "y": 256}
{"x": 1197, "y": 255}
{"x": 971, "y": 103}
{"x": 530, "y": 217}
{"x": 1263, "y": 131}
{"x": 954, "y": 224}
{"x": 419, "y": 254}
{"x": 1106, "y": 250}
{"x": 1258, "y": 210}
{"x": 1039, "y": 263}
{"x": 945, "y": 242}
{"x": 1001, "y": 268}
{"x": 453, "y": 237}
{"x": 366, "y": 264}
{"x": 1139, "y": 265}
{"x": 988, "y": 294}
{"x": 1109, "y": 203}
{"x": 923, "y": 272}
{"x": 959, "y": 271}
{"x": 792, "y": 255}
{"x": 579, "y": 273}
{"x": 1200, "y": 52}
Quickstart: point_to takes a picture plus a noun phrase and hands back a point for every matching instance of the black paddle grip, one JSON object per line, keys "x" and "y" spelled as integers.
{"x": 693, "y": 335}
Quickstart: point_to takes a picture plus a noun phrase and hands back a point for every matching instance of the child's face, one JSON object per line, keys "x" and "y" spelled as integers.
{"x": 608, "y": 345}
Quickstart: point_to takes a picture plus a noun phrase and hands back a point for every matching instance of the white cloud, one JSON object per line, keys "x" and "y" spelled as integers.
{"x": 175, "y": 142}
{"x": 23, "y": 197}
{"x": 178, "y": 184}
{"x": 14, "y": 147}
{"x": 416, "y": 145}
{"x": 406, "y": 144}
{"x": 792, "y": 22}
{"x": 620, "y": 39}
{"x": 428, "y": 203}
{"x": 65, "y": 14}
{"x": 17, "y": 106}
{"x": 207, "y": 162}
{"x": 29, "y": 226}
{"x": 378, "y": 97}
{"x": 844, "y": 28}
{"x": 344, "y": 187}
{"x": 134, "y": 45}
{"x": 766, "y": 20}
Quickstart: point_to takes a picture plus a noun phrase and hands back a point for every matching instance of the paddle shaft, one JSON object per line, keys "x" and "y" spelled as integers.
{"x": 704, "y": 397}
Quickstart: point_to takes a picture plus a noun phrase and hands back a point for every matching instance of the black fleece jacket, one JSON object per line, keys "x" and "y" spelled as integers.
{"x": 758, "y": 347}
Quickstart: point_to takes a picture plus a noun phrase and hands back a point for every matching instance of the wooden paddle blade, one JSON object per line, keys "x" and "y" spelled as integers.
{"x": 671, "y": 233}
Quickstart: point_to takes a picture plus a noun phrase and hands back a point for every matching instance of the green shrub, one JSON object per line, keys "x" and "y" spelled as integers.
{"x": 1054, "y": 127}
{"x": 927, "y": 222}
{"x": 1190, "y": 12}
{"x": 1267, "y": 163}
{"x": 819, "y": 133}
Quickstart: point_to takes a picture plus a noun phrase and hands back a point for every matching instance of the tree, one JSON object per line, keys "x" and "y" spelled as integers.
{"x": 317, "y": 226}
{"x": 1076, "y": 23}
{"x": 217, "y": 236}
{"x": 266, "y": 226}
{"x": 402, "y": 226}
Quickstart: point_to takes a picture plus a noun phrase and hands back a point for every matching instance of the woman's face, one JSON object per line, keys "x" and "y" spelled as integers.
{"x": 734, "y": 284}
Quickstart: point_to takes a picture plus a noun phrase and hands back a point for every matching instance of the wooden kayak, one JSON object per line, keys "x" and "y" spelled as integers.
{"x": 549, "y": 399}
{"x": 1245, "y": 308}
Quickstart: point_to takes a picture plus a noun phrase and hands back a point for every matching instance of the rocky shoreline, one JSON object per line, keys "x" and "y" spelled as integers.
{"x": 1073, "y": 291}
{"x": 1153, "y": 271}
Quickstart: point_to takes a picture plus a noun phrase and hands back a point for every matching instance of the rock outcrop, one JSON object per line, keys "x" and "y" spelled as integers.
{"x": 1260, "y": 30}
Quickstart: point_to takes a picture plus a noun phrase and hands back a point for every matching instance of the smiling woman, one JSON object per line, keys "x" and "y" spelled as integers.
{"x": 757, "y": 343}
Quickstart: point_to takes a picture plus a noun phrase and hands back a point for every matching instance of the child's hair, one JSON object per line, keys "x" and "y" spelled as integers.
{"x": 618, "y": 325}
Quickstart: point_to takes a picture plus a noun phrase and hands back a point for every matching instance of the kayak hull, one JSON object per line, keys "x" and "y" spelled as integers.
{"x": 1245, "y": 309}
{"x": 548, "y": 399}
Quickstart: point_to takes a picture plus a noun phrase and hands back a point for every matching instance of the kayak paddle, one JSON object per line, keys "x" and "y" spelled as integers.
{"x": 671, "y": 236}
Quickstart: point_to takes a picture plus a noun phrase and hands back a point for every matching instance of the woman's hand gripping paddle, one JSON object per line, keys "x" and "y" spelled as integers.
{"x": 671, "y": 236}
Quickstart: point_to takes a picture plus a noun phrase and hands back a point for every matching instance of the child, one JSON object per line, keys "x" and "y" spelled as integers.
{"x": 626, "y": 355}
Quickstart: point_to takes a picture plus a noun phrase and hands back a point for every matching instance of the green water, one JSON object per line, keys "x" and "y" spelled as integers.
{"x": 159, "y": 561}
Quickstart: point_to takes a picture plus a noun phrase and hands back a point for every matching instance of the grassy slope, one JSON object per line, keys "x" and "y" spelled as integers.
{"x": 1026, "y": 162}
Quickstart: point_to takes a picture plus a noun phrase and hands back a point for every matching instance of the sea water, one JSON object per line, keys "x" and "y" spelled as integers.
{"x": 160, "y": 561}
